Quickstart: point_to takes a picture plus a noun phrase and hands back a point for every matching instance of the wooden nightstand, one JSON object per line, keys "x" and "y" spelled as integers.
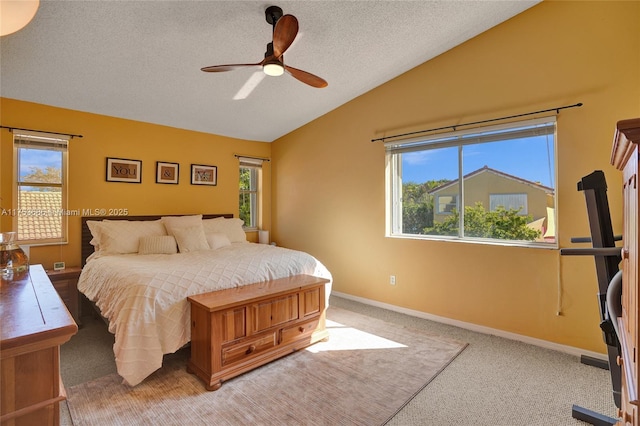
{"x": 66, "y": 284}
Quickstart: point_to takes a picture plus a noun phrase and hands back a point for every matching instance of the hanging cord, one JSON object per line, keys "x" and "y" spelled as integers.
{"x": 559, "y": 307}
{"x": 455, "y": 126}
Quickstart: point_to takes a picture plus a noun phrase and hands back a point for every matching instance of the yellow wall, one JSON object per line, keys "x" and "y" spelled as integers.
{"x": 113, "y": 137}
{"x": 329, "y": 179}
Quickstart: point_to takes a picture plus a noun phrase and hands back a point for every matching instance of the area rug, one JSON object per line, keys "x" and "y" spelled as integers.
{"x": 363, "y": 375}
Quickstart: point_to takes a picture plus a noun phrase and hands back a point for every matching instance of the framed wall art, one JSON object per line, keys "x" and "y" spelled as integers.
{"x": 167, "y": 172}
{"x": 123, "y": 170}
{"x": 204, "y": 175}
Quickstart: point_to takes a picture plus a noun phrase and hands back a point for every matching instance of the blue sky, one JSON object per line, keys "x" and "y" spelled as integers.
{"x": 38, "y": 158}
{"x": 529, "y": 158}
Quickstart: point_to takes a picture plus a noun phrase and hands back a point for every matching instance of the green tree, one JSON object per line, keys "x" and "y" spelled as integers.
{"x": 500, "y": 224}
{"x": 417, "y": 206}
{"x": 417, "y": 210}
{"x": 245, "y": 198}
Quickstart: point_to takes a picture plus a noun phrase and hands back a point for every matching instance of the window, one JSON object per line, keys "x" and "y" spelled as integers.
{"x": 40, "y": 187}
{"x": 494, "y": 184}
{"x": 509, "y": 201}
{"x": 447, "y": 203}
{"x": 250, "y": 169}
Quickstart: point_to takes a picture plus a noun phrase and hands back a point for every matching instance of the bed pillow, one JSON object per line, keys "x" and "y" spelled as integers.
{"x": 190, "y": 238}
{"x": 232, "y": 228}
{"x": 94, "y": 228}
{"x": 172, "y": 222}
{"x": 217, "y": 241}
{"x": 122, "y": 236}
{"x": 158, "y": 244}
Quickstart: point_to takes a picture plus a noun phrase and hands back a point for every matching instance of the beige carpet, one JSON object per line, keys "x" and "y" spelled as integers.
{"x": 364, "y": 374}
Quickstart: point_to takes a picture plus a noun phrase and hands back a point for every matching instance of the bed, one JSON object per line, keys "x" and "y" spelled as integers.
{"x": 138, "y": 271}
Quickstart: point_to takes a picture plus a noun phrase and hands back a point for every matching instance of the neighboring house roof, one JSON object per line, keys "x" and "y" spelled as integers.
{"x": 39, "y": 215}
{"x": 487, "y": 169}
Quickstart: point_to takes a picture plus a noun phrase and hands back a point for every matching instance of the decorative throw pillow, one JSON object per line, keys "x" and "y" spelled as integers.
{"x": 158, "y": 244}
{"x": 190, "y": 239}
{"x": 217, "y": 241}
{"x": 232, "y": 228}
{"x": 172, "y": 222}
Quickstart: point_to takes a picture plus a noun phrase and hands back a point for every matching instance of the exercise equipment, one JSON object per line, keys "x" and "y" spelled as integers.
{"x": 607, "y": 258}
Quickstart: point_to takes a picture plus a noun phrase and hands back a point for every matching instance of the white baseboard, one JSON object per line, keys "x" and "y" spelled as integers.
{"x": 475, "y": 327}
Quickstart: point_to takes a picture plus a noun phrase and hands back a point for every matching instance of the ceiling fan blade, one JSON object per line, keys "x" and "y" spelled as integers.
{"x": 284, "y": 33}
{"x": 230, "y": 67}
{"x": 306, "y": 77}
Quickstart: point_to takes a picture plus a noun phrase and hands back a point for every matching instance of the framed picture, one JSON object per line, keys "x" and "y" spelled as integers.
{"x": 204, "y": 175}
{"x": 167, "y": 172}
{"x": 123, "y": 170}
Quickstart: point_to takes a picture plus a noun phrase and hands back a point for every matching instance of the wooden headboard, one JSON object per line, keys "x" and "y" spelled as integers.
{"x": 87, "y": 248}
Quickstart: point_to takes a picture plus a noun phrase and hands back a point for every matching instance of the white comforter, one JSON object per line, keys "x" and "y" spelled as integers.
{"x": 144, "y": 296}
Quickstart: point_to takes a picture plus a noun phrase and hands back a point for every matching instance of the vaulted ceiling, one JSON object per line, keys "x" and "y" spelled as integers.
{"x": 141, "y": 60}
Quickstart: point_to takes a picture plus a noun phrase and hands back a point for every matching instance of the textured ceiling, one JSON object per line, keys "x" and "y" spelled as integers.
{"x": 141, "y": 60}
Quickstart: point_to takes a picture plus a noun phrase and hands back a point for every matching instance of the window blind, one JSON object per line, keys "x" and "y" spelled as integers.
{"x": 517, "y": 130}
{"x": 39, "y": 140}
{"x": 251, "y": 162}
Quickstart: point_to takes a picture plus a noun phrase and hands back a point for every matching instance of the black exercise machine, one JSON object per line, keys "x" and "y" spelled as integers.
{"x": 607, "y": 258}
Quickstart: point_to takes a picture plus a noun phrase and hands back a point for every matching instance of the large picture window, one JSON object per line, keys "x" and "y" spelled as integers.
{"x": 494, "y": 184}
{"x": 40, "y": 187}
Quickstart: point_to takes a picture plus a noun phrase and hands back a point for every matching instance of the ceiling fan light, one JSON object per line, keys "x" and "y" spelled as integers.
{"x": 273, "y": 69}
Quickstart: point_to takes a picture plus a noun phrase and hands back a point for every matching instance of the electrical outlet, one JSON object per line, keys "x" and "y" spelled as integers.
{"x": 392, "y": 279}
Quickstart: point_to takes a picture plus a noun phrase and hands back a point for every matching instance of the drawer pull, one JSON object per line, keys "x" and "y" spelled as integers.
{"x": 301, "y": 329}
{"x": 624, "y": 253}
{"x": 250, "y": 349}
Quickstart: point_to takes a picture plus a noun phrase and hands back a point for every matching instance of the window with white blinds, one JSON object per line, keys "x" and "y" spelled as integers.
{"x": 250, "y": 174}
{"x": 493, "y": 184}
{"x": 40, "y": 191}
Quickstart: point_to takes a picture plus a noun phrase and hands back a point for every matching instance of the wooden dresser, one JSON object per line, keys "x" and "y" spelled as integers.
{"x": 625, "y": 158}
{"x": 34, "y": 322}
{"x": 238, "y": 329}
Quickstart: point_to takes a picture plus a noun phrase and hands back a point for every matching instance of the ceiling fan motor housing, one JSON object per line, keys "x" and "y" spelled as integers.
{"x": 272, "y": 13}
{"x": 269, "y": 51}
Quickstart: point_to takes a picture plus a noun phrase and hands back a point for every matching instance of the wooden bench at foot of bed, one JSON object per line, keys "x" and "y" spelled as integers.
{"x": 238, "y": 329}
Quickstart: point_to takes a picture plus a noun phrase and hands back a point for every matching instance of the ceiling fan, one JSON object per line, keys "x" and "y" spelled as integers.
{"x": 285, "y": 29}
